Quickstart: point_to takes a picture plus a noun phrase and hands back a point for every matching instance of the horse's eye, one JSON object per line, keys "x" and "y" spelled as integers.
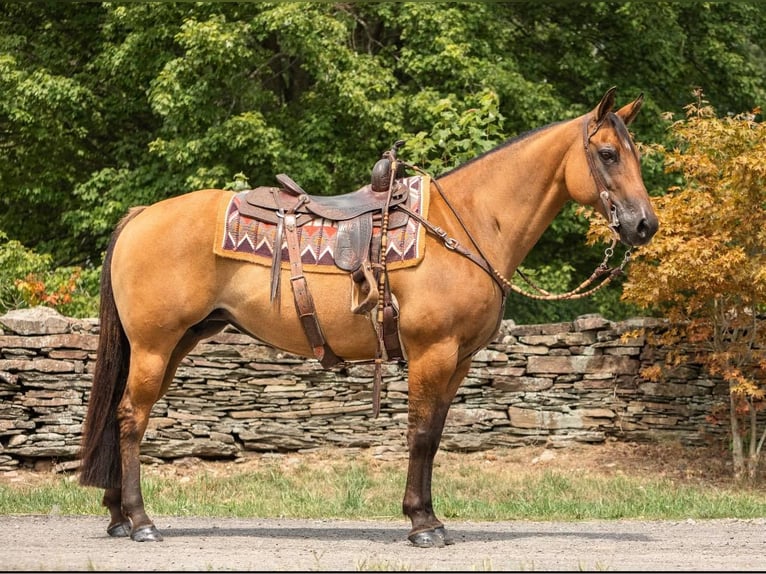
{"x": 607, "y": 155}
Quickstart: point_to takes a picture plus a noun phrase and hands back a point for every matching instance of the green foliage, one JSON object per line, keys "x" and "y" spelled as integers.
{"x": 110, "y": 105}
{"x": 28, "y": 279}
{"x": 16, "y": 262}
{"x": 457, "y": 135}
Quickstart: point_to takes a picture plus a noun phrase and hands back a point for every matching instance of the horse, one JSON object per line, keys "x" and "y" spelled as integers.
{"x": 162, "y": 293}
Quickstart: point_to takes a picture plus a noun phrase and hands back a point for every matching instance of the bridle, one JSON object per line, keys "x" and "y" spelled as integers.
{"x": 586, "y": 288}
{"x": 603, "y": 189}
{"x": 603, "y": 269}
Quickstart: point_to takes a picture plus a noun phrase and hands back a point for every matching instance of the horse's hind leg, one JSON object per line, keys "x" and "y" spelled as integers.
{"x": 432, "y": 386}
{"x": 126, "y": 506}
{"x": 147, "y": 371}
{"x": 119, "y": 525}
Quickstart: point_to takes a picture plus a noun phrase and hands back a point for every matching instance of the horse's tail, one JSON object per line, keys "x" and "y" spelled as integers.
{"x": 100, "y": 449}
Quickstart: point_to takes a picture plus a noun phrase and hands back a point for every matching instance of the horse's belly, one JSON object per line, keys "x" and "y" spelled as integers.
{"x": 247, "y": 299}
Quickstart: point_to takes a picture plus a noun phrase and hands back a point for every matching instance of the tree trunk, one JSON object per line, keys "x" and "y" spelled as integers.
{"x": 753, "y": 450}
{"x": 737, "y": 447}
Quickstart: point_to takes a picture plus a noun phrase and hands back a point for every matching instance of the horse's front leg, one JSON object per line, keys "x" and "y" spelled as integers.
{"x": 432, "y": 386}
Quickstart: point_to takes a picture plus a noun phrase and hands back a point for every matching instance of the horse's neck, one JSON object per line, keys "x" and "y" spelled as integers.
{"x": 508, "y": 198}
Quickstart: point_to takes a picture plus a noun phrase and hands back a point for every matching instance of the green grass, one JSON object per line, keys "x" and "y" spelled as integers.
{"x": 360, "y": 488}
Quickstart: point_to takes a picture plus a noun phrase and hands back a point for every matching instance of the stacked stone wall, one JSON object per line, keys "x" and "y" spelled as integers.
{"x": 534, "y": 384}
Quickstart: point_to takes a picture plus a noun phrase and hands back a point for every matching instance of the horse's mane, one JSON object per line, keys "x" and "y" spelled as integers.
{"x": 514, "y": 140}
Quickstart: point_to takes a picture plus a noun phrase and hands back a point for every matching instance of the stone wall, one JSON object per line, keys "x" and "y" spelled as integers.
{"x": 554, "y": 383}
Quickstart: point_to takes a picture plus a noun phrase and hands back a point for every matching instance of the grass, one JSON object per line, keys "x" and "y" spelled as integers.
{"x": 466, "y": 487}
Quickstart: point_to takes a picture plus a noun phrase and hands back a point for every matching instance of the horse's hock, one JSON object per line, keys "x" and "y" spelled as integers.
{"x": 534, "y": 384}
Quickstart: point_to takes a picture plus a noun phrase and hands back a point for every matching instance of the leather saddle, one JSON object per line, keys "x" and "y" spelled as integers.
{"x": 357, "y": 249}
{"x": 355, "y": 213}
{"x": 264, "y": 203}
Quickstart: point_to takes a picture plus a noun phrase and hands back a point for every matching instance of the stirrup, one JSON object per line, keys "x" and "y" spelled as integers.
{"x": 364, "y": 294}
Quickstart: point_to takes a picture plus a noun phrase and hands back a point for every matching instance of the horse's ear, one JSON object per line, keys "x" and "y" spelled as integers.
{"x": 629, "y": 112}
{"x": 605, "y": 105}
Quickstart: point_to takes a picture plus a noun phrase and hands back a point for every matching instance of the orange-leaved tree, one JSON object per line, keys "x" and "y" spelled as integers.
{"x": 705, "y": 270}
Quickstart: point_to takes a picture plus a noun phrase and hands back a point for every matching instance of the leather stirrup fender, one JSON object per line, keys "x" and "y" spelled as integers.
{"x": 304, "y": 302}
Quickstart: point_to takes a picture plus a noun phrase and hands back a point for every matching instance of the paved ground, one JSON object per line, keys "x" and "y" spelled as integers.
{"x": 80, "y": 543}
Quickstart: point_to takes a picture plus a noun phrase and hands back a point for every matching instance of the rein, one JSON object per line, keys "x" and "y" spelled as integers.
{"x": 585, "y": 288}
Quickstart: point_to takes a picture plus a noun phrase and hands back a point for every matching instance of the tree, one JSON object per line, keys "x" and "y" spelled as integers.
{"x": 115, "y": 104}
{"x": 663, "y": 49}
{"x": 28, "y": 279}
{"x": 706, "y": 268}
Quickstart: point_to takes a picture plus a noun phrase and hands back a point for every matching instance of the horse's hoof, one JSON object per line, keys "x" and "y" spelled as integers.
{"x": 146, "y": 534}
{"x": 119, "y": 530}
{"x": 427, "y": 539}
{"x": 441, "y": 531}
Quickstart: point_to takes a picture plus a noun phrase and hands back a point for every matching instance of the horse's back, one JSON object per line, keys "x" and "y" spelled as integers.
{"x": 166, "y": 275}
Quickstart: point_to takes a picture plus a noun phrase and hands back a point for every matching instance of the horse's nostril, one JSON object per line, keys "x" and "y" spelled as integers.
{"x": 646, "y": 228}
{"x": 643, "y": 228}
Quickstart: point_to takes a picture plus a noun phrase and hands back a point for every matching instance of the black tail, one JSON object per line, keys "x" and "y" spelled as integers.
{"x": 100, "y": 451}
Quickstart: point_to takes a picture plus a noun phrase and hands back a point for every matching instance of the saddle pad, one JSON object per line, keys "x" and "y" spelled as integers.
{"x": 248, "y": 239}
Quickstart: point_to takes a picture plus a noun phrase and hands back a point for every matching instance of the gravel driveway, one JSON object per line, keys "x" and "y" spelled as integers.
{"x": 81, "y": 543}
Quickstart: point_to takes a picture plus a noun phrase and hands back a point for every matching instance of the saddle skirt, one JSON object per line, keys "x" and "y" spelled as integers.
{"x": 247, "y": 238}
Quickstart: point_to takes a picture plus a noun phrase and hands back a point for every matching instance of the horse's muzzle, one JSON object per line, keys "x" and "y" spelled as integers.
{"x": 637, "y": 227}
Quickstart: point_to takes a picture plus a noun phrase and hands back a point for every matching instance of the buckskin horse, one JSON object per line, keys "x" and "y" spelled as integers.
{"x": 163, "y": 292}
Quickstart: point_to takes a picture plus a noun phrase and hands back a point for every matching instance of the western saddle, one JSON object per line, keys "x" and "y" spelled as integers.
{"x": 357, "y": 250}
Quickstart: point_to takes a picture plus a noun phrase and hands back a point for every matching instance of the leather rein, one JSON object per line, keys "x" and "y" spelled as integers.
{"x": 585, "y": 288}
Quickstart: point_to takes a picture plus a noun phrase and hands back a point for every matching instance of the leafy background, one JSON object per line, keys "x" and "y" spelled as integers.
{"x": 109, "y": 105}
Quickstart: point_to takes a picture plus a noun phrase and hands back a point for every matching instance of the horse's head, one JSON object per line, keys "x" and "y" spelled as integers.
{"x": 609, "y": 176}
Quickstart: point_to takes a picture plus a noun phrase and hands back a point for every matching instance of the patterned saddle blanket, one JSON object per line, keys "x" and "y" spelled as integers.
{"x": 241, "y": 237}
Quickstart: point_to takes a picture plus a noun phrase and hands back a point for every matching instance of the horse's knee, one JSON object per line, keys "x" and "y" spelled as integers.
{"x": 423, "y": 439}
